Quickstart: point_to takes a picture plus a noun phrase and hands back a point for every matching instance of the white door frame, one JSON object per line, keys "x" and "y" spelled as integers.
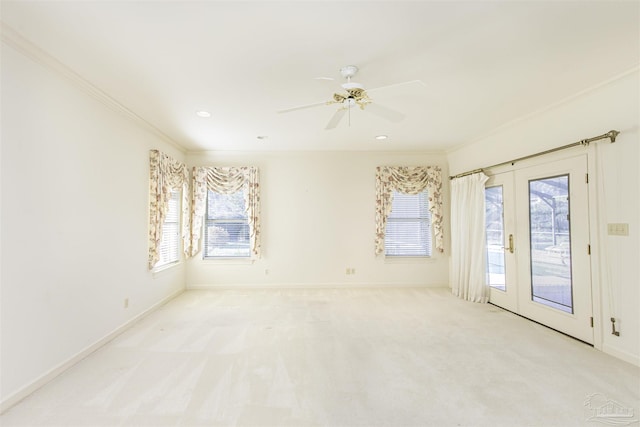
{"x": 594, "y": 223}
{"x": 508, "y": 298}
{"x": 577, "y": 323}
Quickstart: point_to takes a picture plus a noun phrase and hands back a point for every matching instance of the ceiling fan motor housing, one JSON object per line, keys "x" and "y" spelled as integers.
{"x": 352, "y": 85}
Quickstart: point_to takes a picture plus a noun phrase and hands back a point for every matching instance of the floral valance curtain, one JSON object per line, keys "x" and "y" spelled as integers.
{"x": 226, "y": 180}
{"x": 165, "y": 175}
{"x": 408, "y": 180}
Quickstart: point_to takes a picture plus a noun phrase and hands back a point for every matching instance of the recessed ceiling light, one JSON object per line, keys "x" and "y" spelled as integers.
{"x": 203, "y": 114}
{"x": 381, "y": 137}
{"x": 262, "y": 137}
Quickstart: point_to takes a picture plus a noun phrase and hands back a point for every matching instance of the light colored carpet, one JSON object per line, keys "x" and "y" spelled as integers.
{"x": 365, "y": 357}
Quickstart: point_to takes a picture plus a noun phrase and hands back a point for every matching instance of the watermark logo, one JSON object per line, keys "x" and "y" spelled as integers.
{"x": 601, "y": 409}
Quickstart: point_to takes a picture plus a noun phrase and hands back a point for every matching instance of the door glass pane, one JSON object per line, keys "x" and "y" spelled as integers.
{"x": 549, "y": 230}
{"x": 494, "y": 220}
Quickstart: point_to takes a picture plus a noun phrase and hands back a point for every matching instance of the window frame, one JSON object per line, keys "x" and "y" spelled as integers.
{"x": 175, "y": 200}
{"x": 212, "y": 221}
{"x": 424, "y": 217}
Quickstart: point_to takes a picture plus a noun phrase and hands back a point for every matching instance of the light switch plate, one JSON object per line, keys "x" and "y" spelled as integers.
{"x": 618, "y": 229}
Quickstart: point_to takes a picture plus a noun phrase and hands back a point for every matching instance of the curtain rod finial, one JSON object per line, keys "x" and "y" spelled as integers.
{"x": 613, "y": 134}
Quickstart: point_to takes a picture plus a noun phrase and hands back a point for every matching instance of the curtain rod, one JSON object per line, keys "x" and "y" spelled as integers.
{"x": 612, "y": 134}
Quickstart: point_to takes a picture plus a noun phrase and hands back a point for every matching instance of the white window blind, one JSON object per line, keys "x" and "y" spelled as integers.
{"x": 169, "y": 246}
{"x": 226, "y": 231}
{"x": 408, "y": 230}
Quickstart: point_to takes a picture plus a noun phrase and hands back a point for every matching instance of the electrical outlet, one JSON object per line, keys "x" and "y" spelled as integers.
{"x": 266, "y": 272}
{"x": 348, "y": 271}
{"x": 619, "y": 229}
{"x": 353, "y": 270}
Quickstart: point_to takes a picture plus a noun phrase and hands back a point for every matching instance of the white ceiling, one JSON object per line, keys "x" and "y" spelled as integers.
{"x": 483, "y": 64}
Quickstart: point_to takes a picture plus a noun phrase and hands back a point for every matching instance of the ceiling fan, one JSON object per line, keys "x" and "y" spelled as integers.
{"x": 355, "y": 95}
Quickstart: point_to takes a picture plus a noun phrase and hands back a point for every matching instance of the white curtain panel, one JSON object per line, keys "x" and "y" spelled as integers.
{"x": 468, "y": 252}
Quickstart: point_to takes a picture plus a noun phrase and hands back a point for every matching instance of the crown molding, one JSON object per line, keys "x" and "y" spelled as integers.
{"x": 12, "y": 38}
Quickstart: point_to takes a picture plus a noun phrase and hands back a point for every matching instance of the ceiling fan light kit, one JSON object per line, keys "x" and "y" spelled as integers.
{"x": 355, "y": 95}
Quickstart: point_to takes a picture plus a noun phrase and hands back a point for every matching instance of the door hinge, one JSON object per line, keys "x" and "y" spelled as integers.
{"x": 588, "y": 249}
{"x": 586, "y": 178}
{"x": 591, "y": 321}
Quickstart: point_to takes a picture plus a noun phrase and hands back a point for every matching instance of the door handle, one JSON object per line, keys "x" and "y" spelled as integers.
{"x": 511, "y": 243}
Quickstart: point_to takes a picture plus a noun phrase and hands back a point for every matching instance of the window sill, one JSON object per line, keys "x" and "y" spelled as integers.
{"x": 228, "y": 261}
{"x": 408, "y": 259}
{"x": 159, "y": 270}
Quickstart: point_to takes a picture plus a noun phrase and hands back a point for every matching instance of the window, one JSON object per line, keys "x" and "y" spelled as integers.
{"x": 169, "y": 251}
{"x": 408, "y": 230}
{"x": 226, "y": 231}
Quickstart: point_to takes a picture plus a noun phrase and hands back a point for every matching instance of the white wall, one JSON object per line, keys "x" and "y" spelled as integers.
{"x": 75, "y": 200}
{"x": 74, "y": 223}
{"x": 318, "y": 211}
{"x": 613, "y": 105}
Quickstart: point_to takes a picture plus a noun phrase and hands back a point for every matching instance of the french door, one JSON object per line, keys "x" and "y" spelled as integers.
{"x": 537, "y": 230}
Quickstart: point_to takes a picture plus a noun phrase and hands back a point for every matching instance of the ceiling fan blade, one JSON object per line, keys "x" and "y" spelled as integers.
{"x": 335, "y": 119}
{"x": 338, "y": 97}
{"x": 385, "y": 112}
{"x": 302, "y": 107}
{"x": 419, "y": 83}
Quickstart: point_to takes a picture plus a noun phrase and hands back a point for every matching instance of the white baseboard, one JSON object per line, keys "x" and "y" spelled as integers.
{"x": 621, "y": 354}
{"x": 53, "y": 373}
{"x": 349, "y": 285}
